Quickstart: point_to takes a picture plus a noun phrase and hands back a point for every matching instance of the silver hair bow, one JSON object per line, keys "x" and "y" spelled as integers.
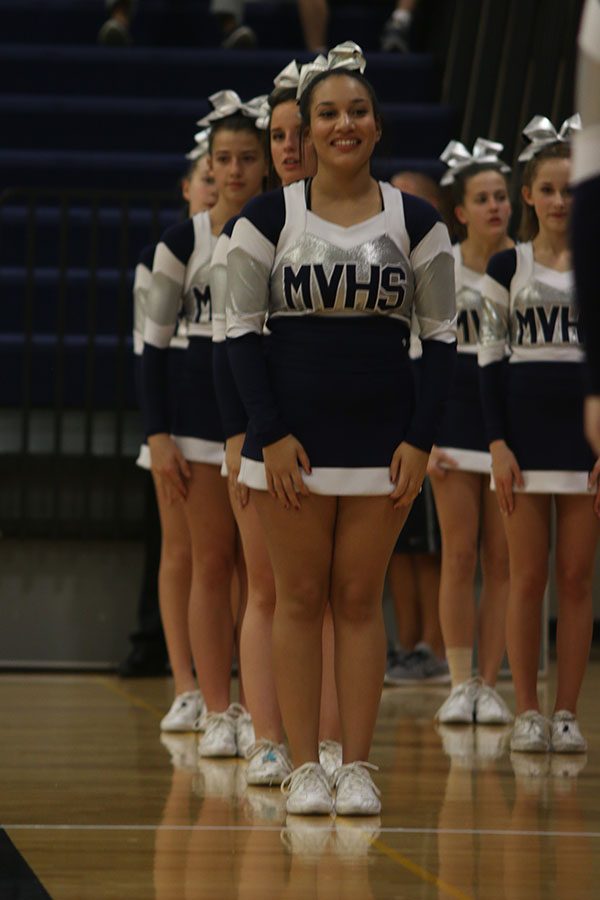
{"x": 287, "y": 79}
{"x": 457, "y": 158}
{"x": 228, "y": 103}
{"x": 345, "y": 56}
{"x": 201, "y": 148}
{"x": 541, "y": 133}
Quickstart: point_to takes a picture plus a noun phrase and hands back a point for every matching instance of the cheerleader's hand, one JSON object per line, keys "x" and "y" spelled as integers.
{"x": 283, "y": 463}
{"x": 169, "y": 465}
{"x": 407, "y": 471}
{"x": 507, "y": 474}
{"x": 233, "y": 461}
{"x": 440, "y": 462}
{"x": 594, "y": 485}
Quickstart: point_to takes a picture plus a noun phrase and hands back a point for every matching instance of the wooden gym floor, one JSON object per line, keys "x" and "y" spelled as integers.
{"x": 94, "y": 805}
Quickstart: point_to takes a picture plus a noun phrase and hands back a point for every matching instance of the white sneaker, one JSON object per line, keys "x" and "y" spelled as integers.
{"x": 184, "y": 711}
{"x": 355, "y": 793}
{"x": 200, "y": 722}
{"x": 244, "y": 729}
{"x": 459, "y": 707}
{"x": 219, "y": 739}
{"x": 490, "y": 708}
{"x": 330, "y": 757}
{"x": 308, "y": 792}
{"x": 565, "y": 734}
{"x": 531, "y": 733}
{"x": 268, "y": 763}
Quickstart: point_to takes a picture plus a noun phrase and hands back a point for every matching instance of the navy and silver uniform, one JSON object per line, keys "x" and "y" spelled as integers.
{"x": 141, "y": 288}
{"x": 534, "y": 398}
{"x": 335, "y": 371}
{"x": 586, "y": 182}
{"x": 462, "y": 431}
{"x": 179, "y": 290}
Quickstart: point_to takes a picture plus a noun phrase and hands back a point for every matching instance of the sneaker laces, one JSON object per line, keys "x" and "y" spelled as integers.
{"x": 213, "y": 719}
{"x": 359, "y": 768}
{"x": 332, "y": 747}
{"x": 530, "y": 720}
{"x": 302, "y": 774}
{"x": 237, "y": 711}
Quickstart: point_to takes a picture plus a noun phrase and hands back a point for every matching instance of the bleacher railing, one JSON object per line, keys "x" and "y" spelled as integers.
{"x": 69, "y": 427}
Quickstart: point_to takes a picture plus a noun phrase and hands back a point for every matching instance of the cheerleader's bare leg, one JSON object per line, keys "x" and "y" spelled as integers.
{"x": 174, "y": 582}
{"x": 494, "y": 593}
{"x": 528, "y": 534}
{"x": 577, "y": 532}
{"x": 366, "y": 531}
{"x": 300, "y": 546}
{"x": 212, "y": 530}
{"x": 330, "y": 728}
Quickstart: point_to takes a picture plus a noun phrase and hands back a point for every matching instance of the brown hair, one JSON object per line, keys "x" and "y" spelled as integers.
{"x": 529, "y": 225}
{"x": 459, "y": 188}
{"x": 276, "y": 98}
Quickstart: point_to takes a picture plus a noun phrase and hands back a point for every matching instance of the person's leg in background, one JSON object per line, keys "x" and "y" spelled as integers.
{"x": 395, "y": 36}
{"x": 229, "y": 15}
{"x": 314, "y": 16}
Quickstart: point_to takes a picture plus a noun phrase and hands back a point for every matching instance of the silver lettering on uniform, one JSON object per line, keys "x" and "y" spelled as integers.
{"x": 318, "y": 275}
{"x": 542, "y": 314}
{"x": 196, "y": 298}
{"x": 468, "y": 307}
{"x": 493, "y": 324}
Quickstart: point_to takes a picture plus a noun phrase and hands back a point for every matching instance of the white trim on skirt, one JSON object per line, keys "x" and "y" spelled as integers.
{"x": 337, "y": 482}
{"x": 199, "y": 450}
{"x": 143, "y": 460}
{"x": 539, "y": 481}
{"x": 469, "y": 460}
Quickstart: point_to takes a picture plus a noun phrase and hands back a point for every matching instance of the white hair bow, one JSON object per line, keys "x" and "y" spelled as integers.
{"x": 201, "y": 148}
{"x": 457, "y": 158}
{"x": 228, "y": 103}
{"x": 541, "y": 133}
{"x": 288, "y": 77}
{"x": 344, "y": 56}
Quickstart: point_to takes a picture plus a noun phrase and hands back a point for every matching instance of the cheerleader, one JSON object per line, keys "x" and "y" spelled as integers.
{"x": 533, "y": 406}
{"x": 187, "y": 451}
{"x": 337, "y": 444}
{"x": 586, "y": 207}
{"x": 459, "y": 467}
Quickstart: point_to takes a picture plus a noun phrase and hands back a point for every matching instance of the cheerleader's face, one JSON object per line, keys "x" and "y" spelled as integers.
{"x": 199, "y": 189}
{"x": 238, "y": 165}
{"x": 485, "y": 210}
{"x": 343, "y": 128}
{"x": 549, "y": 195}
{"x": 291, "y": 161}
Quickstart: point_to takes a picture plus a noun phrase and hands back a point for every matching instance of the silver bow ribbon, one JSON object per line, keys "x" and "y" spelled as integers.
{"x": 541, "y": 133}
{"x": 228, "y": 103}
{"x": 201, "y": 148}
{"x": 457, "y": 158}
{"x": 344, "y": 56}
{"x": 288, "y": 77}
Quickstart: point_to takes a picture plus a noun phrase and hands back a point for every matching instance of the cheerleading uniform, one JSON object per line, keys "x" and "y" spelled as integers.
{"x": 141, "y": 287}
{"x": 462, "y": 431}
{"x": 533, "y": 399}
{"x": 180, "y": 290}
{"x": 335, "y": 370}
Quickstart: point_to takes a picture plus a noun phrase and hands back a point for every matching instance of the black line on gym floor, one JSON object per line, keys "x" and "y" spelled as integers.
{"x": 17, "y": 880}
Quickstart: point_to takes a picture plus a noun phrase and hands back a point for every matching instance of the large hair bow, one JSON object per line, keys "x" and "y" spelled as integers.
{"x": 457, "y": 158}
{"x": 288, "y": 77}
{"x": 541, "y": 133}
{"x": 228, "y": 103}
{"x": 344, "y": 56}
{"x": 202, "y": 139}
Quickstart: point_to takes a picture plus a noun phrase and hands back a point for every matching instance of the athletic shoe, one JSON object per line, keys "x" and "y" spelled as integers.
{"x": 182, "y": 750}
{"x": 200, "y": 722}
{"x": 241, "y": 38}
{"x": 394, "y": 37}
{"x": 306, "y": 837}
{"x": 565, "y": 734}
{"x": 219, "y": 739}
{"x": 308, "y": 791}
{"x": 185, "y": 709}
{"x": 268, "y": 763}
{"x": 531, "y": 733}
{"x": 459, "y": 707}
{"x": 490, "y": 708}
{"x": 394, "y": 658}
{"x": 421, "y": 665}
{"x": 244, "y": 729}
{"x": 459, "y": 744}
{"x": 355, "y": 792}
{"x": 330, "y": 757}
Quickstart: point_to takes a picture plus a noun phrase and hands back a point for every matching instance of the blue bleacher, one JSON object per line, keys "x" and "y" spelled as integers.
{"x": 78, "y": 116}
